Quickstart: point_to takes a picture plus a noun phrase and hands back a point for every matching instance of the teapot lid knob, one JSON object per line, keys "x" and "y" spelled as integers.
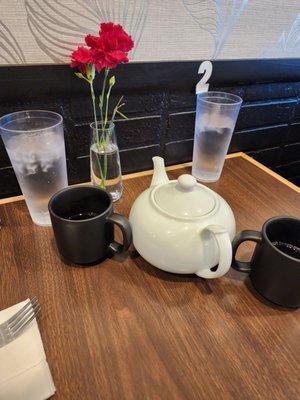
{"x": 187, "y": 182}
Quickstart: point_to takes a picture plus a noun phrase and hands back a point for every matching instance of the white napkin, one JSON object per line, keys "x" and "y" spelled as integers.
{"x": 24, "y": 372}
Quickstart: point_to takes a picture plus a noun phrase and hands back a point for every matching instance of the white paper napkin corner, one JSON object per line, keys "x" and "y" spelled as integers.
{"x": 24, "y": 371}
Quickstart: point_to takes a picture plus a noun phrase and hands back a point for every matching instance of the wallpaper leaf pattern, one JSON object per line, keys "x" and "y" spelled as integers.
{"x": 218, "y": 17}
{"x": 43, "y": 31}
{"x": 288, "y": 43}
{"x": 10, "y": 50}
{"x": 58, "y": 27}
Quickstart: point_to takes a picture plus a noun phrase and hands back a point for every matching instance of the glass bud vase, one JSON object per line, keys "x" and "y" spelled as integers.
{"x": 105, "y": 160}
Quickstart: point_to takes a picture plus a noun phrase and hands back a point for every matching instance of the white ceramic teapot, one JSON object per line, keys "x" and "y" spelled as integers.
{"x": 182, "y": 226}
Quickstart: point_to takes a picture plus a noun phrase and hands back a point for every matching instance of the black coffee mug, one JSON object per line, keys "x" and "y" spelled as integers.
{"x": 275, "y": 264}
{"x": 83, "y": 223}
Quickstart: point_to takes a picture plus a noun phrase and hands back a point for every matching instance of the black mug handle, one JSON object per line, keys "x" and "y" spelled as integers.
{"x": 243, "y": 236}
{"x": 124, "y": 225}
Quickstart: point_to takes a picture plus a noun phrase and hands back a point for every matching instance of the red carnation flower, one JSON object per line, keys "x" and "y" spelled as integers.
{"x": 104, "y": 51}
{"x": 98, "y": 57}
{"x": 108, "y": 59}
{"x": 80, "y": 58}
{"x": 92, "y": 41}
{"x": 111, "y": 47}
{"x": 115, "y": 38}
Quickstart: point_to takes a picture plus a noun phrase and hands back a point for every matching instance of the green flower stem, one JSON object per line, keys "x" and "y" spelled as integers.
{"x": 106, "y": 71}
{"x": 117, "y": 106}
{"x": 96, "y": 128}
{"x": 101, "y": 141}
{"x": 104, "y": 122}
{"x": 94, "y": 103}
{"x": 111, "y": 84}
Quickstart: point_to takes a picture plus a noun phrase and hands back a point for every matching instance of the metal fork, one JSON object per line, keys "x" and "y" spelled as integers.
{"x": 15, "y": 325}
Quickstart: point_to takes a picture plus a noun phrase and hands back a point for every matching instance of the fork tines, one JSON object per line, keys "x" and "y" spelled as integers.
{"x": 15, "y": 325}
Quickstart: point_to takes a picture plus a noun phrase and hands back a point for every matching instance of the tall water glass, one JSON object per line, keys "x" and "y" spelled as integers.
{"x": 216, "y": 115}
{"x": 34, "y": 141}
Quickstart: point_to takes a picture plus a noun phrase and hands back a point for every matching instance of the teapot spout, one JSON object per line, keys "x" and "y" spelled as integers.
{"x": 159, "y": 175}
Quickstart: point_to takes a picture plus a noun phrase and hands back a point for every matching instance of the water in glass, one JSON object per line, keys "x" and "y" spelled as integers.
{"x": 40, "y": 166}
{"x": 210, "y": 149}
{"x": 110, "y": 157}
{"x": 34, "y": 141}
{"x": 216, "y": 116}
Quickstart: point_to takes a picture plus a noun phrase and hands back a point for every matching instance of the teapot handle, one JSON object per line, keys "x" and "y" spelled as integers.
{"x": 225, "y": 253}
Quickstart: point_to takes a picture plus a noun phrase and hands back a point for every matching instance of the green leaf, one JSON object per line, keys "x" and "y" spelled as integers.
{"x": 79, "y": 75}
{"x": 122, "y": 115}
{"x": 112, "y": 81}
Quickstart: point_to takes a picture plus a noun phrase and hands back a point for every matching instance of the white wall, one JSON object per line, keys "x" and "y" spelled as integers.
{"x": 46, "y": 31}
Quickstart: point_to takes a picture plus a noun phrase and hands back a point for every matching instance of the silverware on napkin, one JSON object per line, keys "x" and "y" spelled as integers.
{"x": 15, "y": 325}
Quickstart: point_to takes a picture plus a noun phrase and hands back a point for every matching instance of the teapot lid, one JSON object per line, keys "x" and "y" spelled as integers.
{"x": 184, "y": 198}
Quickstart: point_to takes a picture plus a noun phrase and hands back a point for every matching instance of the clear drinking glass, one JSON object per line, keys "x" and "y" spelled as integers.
{"x": 34, "y": 141}
{"x": 105, "y": 160}
{"x": 216, "y": 115}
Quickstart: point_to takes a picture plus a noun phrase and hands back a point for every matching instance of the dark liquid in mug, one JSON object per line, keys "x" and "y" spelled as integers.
{"x": 287, "y": 248}
{"x": 83, "y": 215}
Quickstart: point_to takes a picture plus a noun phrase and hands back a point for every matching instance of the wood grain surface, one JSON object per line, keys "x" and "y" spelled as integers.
{"x": 126, "y": 330}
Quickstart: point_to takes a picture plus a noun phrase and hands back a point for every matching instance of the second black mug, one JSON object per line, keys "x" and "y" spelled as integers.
{"x": 83, "y": 223}
{"x": 275, "y": 264}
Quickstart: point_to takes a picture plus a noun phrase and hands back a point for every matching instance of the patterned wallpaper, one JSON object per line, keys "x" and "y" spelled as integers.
{"x": 45, "y": 31}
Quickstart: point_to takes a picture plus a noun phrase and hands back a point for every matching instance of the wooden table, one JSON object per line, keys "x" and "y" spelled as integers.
{"x": 126, "y": 330}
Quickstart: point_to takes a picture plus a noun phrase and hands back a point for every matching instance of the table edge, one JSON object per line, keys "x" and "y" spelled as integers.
{"x": 188, "y": 164}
